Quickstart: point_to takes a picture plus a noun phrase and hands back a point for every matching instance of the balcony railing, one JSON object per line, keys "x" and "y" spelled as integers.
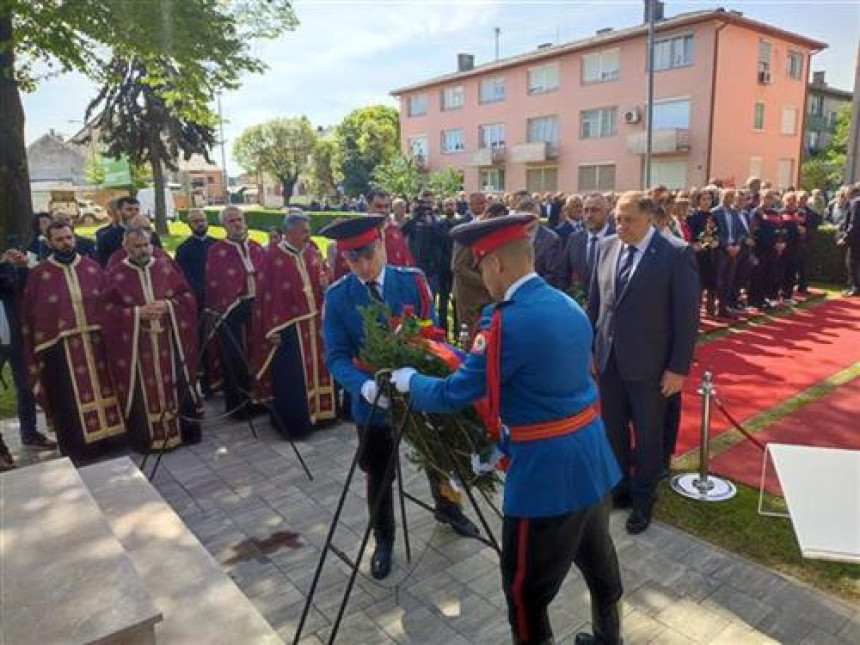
{"x": 664, "y": 141}
{"x": 534, "y": 152}
{"x": 487, "y": 156}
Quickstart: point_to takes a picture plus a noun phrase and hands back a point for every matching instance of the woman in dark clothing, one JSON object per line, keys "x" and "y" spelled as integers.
{"x": 701, "y": 225}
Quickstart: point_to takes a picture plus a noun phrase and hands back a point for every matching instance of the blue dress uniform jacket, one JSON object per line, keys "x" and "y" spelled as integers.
{"x": 343, "y": 328}
{"x": 545, "y": 356}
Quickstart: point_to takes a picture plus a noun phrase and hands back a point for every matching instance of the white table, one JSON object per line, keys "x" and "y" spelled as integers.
{"x": 822, "y": 493}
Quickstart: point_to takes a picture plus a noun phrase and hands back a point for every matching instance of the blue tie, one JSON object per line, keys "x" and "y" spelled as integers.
{"x": 589, "y": 256}
{"x": 625, "y": 271}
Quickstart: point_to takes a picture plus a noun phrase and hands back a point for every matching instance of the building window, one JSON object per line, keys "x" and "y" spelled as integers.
{"x": 597, "y": 177}
{"x": 789, "y": 121}
{"x": 672, "y": 173}
{"x": 756, "y": 167}
{"x": 599, "y": 123}
{"x": 784, "y": 173}
{"x": 452, "y": 98}
{"x": 817, "y": 107}
{"x": 453, "y": 141}
{"x": 418, "y": 105}
{"x": 542, "y": 180}
{"x": 543, "y": 128}
{"x": 672, "y": 114}
{"x": 601, "y": 67}
{"x": 491, "y": 135}
{"x": 812, "y": 140}
{"x": 673, "y": 52}
{"x": 764, "y": 61}
{"x": 543, "y": 79}
{"x": 419, "y": 147}
{"x": 492, "y": 90}
{"x": 794, "y": 65}
{"x": 758, "y": 117}
{"x": 832, "y": 118}
{"x": 493, "y": 179}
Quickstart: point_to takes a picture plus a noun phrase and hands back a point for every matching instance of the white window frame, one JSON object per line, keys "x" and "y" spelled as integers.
{"x": 816, "y": 106}
{"x": 764, "y": 61}
{"x": 664, "y": 104}
{"x": 756, "y": 166}
{"x": 536, "y": 137}
{"x": 785, "y": 182}
{"x": 540, "y": 78}
{"x": 794, "y": 55}
{"x": 412, "y": 100}
{"x": 602, "y": 60}
{"x": 452, "y": 98}
{"x": 495, "y": 96}
{"x": 415, "y": 139}
{"x": 763, "y": 116}
{"x": 596, "y": 166}
{"x": 447, "y": 148}
{"x": 606, "y": 122}
{"x": 491, "y": 135}
{"x": 499, "y": 186}
{"x": 543, "y": 170}
{"x": 677, "y": 52}
{"x": 783, "y": 130}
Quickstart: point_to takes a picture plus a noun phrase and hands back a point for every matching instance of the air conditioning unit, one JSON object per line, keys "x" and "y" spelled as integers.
{"x": 632, "y": 116}
{"x": 764, "y": 76}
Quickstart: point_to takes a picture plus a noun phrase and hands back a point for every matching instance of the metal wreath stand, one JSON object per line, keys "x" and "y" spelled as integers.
{"x": 703, "y": 486}
{"x": 382, "y": 378}
{"x": 186, "y": 395}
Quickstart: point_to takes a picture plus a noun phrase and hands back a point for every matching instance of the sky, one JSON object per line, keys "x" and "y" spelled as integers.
{"x": 347, "y": 54}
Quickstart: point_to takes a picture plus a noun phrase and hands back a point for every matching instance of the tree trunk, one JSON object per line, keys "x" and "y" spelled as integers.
{"x": 158, "y": 184}
{"x": 16, "y": 208}
{"x": 287, "y": 189}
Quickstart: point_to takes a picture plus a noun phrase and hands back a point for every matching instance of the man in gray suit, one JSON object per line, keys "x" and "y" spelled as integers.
{"x": 580, "y": 253}
{"x": 644, "y": 305}
{"x": 731, "y": 235}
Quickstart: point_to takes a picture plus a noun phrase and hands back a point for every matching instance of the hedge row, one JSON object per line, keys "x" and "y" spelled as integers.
{"x": 263, "y": 220}
{"x": 826, "y": 263}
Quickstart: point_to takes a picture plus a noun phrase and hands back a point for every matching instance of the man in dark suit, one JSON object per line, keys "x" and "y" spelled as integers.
{"x": 731, "y": 235}
{"x": 548, "y": 250}
{"x": 581, "y": 250}
{"x": 849, "y": 237}
{"x": 644, "y": 304}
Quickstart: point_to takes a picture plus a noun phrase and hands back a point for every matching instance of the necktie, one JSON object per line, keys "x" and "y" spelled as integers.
{"x": 589, "y": 256}
{"x": 730, "y": 223}
{"x": 625, "y": 271}
{"x": 374, "y": 290}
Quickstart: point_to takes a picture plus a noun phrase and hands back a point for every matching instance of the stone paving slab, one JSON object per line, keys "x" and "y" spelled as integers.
{"x": 678, "y": 589}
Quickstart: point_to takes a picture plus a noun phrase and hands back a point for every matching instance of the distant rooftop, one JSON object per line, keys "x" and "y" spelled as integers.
{"x": 606, "y": 36}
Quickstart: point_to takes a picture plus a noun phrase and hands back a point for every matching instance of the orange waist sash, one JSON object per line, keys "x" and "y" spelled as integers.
{"x": 553, "y": 429}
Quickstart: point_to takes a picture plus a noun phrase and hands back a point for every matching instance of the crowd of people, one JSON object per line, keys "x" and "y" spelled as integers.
{"x": 119, "y": 342}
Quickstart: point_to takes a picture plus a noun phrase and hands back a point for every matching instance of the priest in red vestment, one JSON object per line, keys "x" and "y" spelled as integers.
{"x": 396, "y": 248}
{"x": 68, "y": 363}
{"x": 287, "y": 333}
{"x": 233, "y": 267}
{"x": 151, "y": 331}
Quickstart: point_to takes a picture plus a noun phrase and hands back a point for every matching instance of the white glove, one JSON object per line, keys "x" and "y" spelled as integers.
{"x": 369, "y": 391}
{"x": 401, "y": 378}
{"x": 480, "y": 467}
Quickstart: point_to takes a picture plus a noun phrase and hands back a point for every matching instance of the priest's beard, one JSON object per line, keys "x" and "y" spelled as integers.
{"x": 65, "y": 256}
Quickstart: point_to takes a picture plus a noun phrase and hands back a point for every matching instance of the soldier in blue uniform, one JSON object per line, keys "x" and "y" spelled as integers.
{"x": 532, "y": 361}
{"x": 398, "y": 287}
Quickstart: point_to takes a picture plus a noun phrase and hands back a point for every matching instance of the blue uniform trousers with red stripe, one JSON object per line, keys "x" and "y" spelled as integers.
{"x": 537, "y": 554}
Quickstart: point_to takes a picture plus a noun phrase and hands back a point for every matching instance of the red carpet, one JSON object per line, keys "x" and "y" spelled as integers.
{"x": 710, "y": 323}
{"x": 830, "y": 422}
{"x": 760, "y": 367}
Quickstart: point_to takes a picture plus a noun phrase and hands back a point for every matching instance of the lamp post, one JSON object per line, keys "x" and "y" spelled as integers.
{"x": 224, "y": 188}
{"x": 649, "y": 110}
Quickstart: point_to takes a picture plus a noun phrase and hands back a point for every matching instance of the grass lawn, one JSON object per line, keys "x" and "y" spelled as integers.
{"x": 179, "y": 231}
{"x": 8, "y": 407}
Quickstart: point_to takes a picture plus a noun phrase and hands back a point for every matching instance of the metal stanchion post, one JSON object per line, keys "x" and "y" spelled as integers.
{"x": 702, "y": 485}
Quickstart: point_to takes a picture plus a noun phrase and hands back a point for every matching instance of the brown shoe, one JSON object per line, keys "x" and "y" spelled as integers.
{"x": 7, "y": 461}
{"x": 40, "y": 442}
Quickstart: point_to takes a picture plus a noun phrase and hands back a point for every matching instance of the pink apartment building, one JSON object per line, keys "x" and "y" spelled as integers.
{"x": 729, "y": 103}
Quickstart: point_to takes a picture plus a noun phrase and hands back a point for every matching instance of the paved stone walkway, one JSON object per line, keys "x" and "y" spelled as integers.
{"x": 233, "y": 488}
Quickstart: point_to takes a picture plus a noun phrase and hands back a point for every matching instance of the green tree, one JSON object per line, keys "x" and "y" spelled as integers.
{"x": 366, "y": 138}
{"x": 141, "y": 174}
{"x": 281, "y": 148}
{"x": 399, "y": 175}
{"x": 446, "y": 182}
{"x": 210, "y": 42}
{"x": 322, "y": 175}
{"x": 825, "y": 169}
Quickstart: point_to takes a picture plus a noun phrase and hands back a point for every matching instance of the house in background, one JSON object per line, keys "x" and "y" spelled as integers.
{"x": 730, "y": 97}
{"x": 55, "y": 160}
{"x": 822, "y": 109}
